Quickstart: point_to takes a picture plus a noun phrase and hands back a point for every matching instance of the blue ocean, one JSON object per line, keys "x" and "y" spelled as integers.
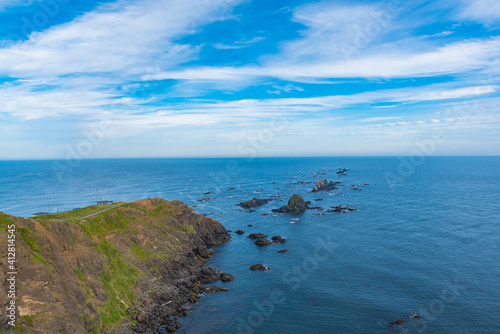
{"x": 425, "y": 237}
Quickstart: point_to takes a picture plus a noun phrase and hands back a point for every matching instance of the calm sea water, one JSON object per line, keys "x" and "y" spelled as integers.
{"x": 430, "y": 243}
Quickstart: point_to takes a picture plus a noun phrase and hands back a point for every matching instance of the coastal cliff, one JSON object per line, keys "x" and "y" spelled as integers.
{"x": 127, "y": 270}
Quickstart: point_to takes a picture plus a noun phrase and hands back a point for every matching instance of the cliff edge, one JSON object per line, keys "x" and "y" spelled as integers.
{"x": 127, "y": 270}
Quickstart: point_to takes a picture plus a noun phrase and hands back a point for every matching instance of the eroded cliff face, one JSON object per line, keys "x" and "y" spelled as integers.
{"x": 125, "y": 270}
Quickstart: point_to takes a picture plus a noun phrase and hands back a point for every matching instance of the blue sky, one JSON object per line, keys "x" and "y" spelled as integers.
{"x": 179, "y": 78}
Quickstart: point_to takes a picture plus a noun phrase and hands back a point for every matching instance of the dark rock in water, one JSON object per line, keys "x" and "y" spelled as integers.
{"x": 229, "y": 231}
{"x": 249, "y": 225}
{"x": 259, "y": 267}
{"x": 397, "y": 322}
{"x": 324, "y": 185}
{"x": 340, "y": 209}
{"x": 225, "y": 277}
{"x": 239, "y": 232}
{"x": 209, "y": 275}
{"x": 318, "y": 199}
{"x": 209, "y": 193}
{"x": 295, "y": 204}
{"x": 299, "y": 182}
{"x": 257, "y": 236}
{"x": 283, "y": 251}
{"x": 251, "y": 210}
{"x": 264, "y": 214}
{"x": 230, "y": 189}
{"x": 278, "y": 239}
{"x": 342, "y": 170}
{"x": 262, "y": 242}
{"x": 253, "y": 203}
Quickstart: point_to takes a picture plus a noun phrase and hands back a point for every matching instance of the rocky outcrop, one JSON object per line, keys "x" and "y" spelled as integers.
{"x": 340, "y": 209}
{"x": 342, "y": 171}
{"x": 131, "y": 269}
{"x": 225, "y": 277}
{"x": 239, "y": 232}
{"x": 257, "y": 236}
{"x": 324, "y": 185}
{"x": 259, "y": 267}
{"x": 262, "y": 242}
{"x": 295, "y": 204}
{"x": 283, "y": 251}
{"x": 253, "y": 203}
{"x": 278, "y": 239}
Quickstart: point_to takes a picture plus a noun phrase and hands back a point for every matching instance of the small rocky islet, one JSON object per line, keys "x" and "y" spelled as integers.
{"x": 295, "y": 204}
{"x": 253, "y": 203}
{"x": 259, "y": 267}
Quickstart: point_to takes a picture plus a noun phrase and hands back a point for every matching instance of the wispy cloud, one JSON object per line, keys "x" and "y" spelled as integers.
{"x": 239, "y": 44}
{"x": 12, "y": 3}
{"x": 335, "y": 71}
{"x": 125, "y": 37}
{"x": 486, "y": 11}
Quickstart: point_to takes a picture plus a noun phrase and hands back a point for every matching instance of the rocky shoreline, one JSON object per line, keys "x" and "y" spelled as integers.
{"x": 132, "y": 269}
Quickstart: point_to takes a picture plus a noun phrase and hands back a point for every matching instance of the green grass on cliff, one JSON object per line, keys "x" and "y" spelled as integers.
{"x": 118, "y": 280}
{"x": 5, "y": 221}
{"x": 102, "y": 224}
{"x": 74, "y": 213}
{"x": 29, "y": 238}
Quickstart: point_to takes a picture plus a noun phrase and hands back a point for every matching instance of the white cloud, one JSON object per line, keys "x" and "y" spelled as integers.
{"x": 239, "y": 44}
{"x": 486, "y": 11}
{"x": 378, "y": 119}
{"x": 125, "y": 37}
{"x": 12, "y": 3}
{"x": 459, "y": 57}
{"x": 458, "y": 93}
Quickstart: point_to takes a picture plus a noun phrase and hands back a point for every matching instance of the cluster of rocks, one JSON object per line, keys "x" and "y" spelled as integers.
{"x": 337, "y": 209}
{"x": 259, "y": 267}
{"x": 414, "y": 315}
{"x": 209, "y": 275}
{"x": 324, "y": 185}
{"x": 295, "y": 204}
{"x": 275, "y": 240}
{"x": 253, "y": 203}
{"x": 171, "y": 324}
{"x": 342, "y": 171}
{"x": 397, "y": 322}
{"x": 299, "y": 182}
